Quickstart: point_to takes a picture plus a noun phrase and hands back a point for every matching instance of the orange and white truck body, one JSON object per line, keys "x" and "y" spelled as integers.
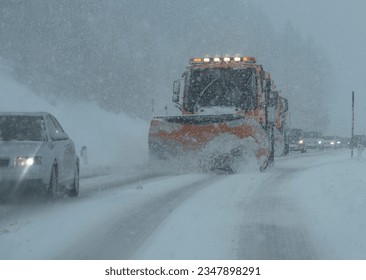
{"x": 228, "y": 114}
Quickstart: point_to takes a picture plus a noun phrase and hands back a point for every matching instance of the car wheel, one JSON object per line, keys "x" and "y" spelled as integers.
{"x": 53, "y": 186}
{"x": 75, "y": 185}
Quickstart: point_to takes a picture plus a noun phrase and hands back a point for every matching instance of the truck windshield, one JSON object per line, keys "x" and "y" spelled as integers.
{"x": 224, "y": 87}
{"x": 295, "y": 134}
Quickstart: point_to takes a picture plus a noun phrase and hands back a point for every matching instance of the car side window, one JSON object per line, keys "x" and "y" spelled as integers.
{"x": 54, "y": 130}
{"x": 56, "y": 124}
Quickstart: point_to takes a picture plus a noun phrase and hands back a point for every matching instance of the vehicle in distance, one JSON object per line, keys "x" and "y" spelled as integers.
{"x": 313, "y": 140}
{"x": 331, "y": 142}
{"x": 36, "y": 154}
{"x": 345, "y": 142}
{"x": 296, "y": 140}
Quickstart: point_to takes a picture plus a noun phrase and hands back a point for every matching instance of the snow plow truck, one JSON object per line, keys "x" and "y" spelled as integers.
{"x": 228, "y": 116}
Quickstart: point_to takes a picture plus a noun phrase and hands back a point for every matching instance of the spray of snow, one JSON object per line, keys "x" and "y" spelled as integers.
{"x": 112, "y": 139}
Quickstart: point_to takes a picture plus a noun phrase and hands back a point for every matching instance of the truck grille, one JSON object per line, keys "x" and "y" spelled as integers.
{"x": 4, "y": 162}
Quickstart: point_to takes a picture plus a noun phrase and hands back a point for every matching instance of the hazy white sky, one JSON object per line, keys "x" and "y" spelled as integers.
{"x": 337, "y": 26}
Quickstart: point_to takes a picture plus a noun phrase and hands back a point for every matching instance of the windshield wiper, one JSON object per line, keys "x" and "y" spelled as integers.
{"x": 195, "y": 107}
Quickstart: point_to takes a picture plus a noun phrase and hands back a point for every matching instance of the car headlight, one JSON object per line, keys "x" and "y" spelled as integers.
{"x": 332, "y": 143}
{"x": 320, "y": 142}
{"x": 301, "y": 142}
{"x": 28, "y": 161}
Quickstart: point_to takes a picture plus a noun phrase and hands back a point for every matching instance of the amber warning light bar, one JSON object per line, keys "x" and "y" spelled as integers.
{"x": 226, "y": 59}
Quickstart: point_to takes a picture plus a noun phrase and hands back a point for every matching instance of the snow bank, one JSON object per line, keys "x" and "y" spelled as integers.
{"x": 333, "y": 197}
{"x": 111, "y": 139}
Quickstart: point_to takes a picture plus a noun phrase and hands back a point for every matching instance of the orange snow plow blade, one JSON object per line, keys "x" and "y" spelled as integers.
{"x": 207, "y": 135}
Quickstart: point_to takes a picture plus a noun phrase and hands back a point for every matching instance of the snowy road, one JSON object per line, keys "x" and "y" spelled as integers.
{"x": 273, "y": 225}
{"x": 277, "y": 214}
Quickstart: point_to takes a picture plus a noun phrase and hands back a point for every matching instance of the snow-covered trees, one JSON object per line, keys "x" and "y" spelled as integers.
{"x": 123, "y": 54}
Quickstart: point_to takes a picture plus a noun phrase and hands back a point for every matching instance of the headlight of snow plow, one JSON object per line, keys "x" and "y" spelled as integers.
{"x": 249, "y": 59}
{"x": 27, "y": 161}
{"x": 219, "y": 59}
{"x": 196, "y": 60}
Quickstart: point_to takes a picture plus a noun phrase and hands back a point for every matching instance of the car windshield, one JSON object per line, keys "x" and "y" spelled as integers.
{"x": 224, "y": 87}
{"x": 21, "y": 128}
{"x": 295, "y": 133}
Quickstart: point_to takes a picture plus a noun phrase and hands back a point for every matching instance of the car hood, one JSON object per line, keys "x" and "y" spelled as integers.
{"x": 19, "y": 148}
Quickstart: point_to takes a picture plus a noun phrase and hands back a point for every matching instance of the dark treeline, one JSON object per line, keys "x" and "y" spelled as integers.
{"x": 122, "y": 54}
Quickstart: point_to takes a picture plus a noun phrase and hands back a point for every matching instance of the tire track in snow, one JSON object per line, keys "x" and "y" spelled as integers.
{"x": 20, "y": 204}
{"x": 126, "y": 234}
{"x": 272, "y": 223}
{"x": 95, "y": 185}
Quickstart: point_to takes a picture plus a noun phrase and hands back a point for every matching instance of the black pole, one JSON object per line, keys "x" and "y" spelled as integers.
{"x": 353, "y": 122}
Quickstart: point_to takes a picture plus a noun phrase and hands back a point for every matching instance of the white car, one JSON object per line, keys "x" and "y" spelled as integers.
{"x": 331, "y": 142}
{"x": 314, "y": 140}
{"x": 36, "y": 154}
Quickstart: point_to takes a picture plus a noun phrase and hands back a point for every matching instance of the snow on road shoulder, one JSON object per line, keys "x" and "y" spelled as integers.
{"x": 333, "y": 197}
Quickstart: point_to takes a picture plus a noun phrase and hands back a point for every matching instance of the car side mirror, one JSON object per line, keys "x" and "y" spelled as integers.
{"x": 271, "y": 115}
{"x": 176, "y": 91}
{"x": 286, "y": 106}
{"x": 60, "y": 136}
{"x": 272, "y": 106}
